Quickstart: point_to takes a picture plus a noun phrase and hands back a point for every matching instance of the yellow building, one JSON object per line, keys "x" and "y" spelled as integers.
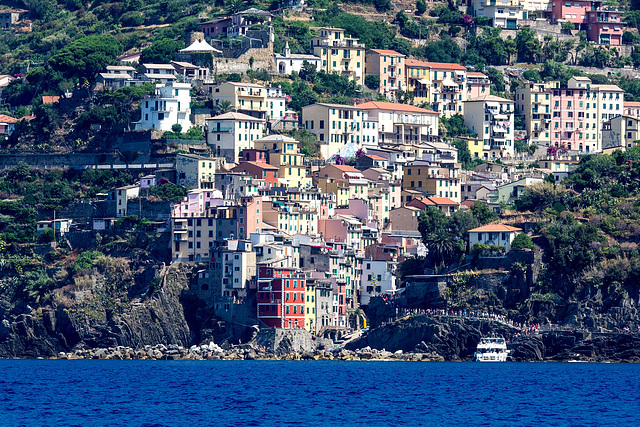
{"x": 285, "y": 155}
{"x": 418, "y": 77}
{"x": 431, "y": 178}
{"x": 246, "y": 98}
{"x": 441, "y": 85}
{"x": 310, "y": 306}
{"x": 339, "y": 54}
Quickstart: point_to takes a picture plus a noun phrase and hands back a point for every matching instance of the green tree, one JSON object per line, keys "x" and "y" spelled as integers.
{"x": 529, "y": 48}
{"x": 522, "y": 241}
{"x": 372, "y": 82}
{"x": 442, "y": 245}
{"x": 497, "y": 79}
{"x": 224, "y": 106}
{"x": 176, "y": 127}
{"x": 86, "y": 57}
{"x": 482, "y": 213}
{"x": 421, "y": 7}
{"x": 161, "y": 52}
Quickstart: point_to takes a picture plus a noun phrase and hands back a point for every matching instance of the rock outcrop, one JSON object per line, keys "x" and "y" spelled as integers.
{"x": 453, "y": 339}
{"x": 159, "y": 319}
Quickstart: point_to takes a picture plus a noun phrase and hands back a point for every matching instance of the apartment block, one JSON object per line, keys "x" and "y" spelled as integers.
{"x": 502, "y": 13}
{"x": 339, "y": 54}
{"x": 389, "y": 66}
{"x": 229, "y": 133}
{"x": 401, "y": 123}
{"x": 601, "y": 22}
{"x": 171, "y": 104}
{"x": 245, "y": 98}
{"x": 335, "y": 126}
{"x": 492, "y": 119}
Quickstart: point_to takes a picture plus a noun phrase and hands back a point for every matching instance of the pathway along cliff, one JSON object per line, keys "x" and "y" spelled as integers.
{"x": 169, "y": 325}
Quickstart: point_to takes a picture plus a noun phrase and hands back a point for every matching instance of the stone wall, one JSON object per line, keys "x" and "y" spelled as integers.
{"x": 262, "y": 60}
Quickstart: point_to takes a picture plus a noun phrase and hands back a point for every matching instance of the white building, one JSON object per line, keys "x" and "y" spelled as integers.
{"x": 170, "y": 105}
{"x": 230, "y": 133}
{"x": 494, "y": 234}
{"x": 503, "y": 13}
{"x": 122, "y": 195}
{"x": 377, "y": 279}
{"x": 401, "y": 123}
{"x": 276, "y": 103}
{"x": 288, "y": 62}
{"x": 159, "y": 73}
{"x": 491, "y": 118}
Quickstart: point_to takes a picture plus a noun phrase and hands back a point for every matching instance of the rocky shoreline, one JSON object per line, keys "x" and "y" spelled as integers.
{"x": 240, "y": 352}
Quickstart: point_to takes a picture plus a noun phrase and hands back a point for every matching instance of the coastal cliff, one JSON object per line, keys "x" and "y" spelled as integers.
{"x": 157, "y": 319}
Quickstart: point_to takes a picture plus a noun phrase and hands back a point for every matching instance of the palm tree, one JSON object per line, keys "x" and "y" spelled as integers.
{"x": 223, "y": 106}
{"x": 441, "y": 244}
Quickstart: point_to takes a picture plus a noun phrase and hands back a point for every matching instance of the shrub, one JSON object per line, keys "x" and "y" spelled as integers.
{"x": 522, "y": 241}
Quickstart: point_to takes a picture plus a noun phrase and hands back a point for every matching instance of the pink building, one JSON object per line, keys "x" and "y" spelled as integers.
{"x": 388, "y": 65}
{"x": 478, "y": 85}
{"x": 216, "y": 27}
{"x": 249, "y": 216}
{"x": 568, "y": 114}
{"x": 604, "y": 27}
{"x": 196, "y": 203}
{"x": 360, "y": 209}
{"x": 255, "y": 155}
{"x": 570, "y": 11}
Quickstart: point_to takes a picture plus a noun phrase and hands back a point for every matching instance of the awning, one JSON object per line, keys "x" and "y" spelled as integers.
{"x": 448, "y": 82}
{"x": 200, "y": 46}
{"x": 425, "y": 81}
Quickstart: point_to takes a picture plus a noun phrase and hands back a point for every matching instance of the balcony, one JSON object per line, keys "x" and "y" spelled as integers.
{"x": 221, "y": 130}
{"x": 182, "y": 237}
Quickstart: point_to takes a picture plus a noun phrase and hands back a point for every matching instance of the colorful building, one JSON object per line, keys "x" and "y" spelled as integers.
{"x": 339, "y": 54}
{"x": 281, "y": 297}
{"x": 389, "y": 66}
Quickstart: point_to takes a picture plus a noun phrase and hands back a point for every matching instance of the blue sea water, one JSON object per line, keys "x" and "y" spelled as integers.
{"x": 320, "y": 393}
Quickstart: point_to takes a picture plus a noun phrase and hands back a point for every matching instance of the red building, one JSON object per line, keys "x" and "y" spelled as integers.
{"x": 254, "y": 155}
{"x": 259, "y": 171}
{"x": 281, "y": 297}
{"x": 602, "y": 25}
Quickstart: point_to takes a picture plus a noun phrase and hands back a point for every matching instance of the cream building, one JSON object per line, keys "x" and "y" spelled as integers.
{"x": 339, "y": 54}
{"x": 230, "y": 133}
{"x": 335, "y": 126}
{"x": 285, "y": 155}
{"x": 401, "y": 123}
{"x": 492, "y": 119}
{"x": 246, "y": 98}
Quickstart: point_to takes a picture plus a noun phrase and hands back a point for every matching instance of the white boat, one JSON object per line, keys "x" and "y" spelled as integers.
{"x": 491, "y": 349}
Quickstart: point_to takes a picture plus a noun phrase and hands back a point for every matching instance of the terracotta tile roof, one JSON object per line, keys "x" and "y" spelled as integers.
{"x": 376, "y": 105}
{"x": 631, "y": 104}
{"x": 346, "y": 168}
{"x": 50, "y": 99}
{"x": 442, "y": 201}
{"x": 259, "y": 165}
{"x": 386, "y": 52}
{"x": 445, "y": 66}
{"x": 374, "y": 157}
{"x": 495, "y": 228}
{"x": 8, "y": 119}
{"x": 415, "y": 63}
